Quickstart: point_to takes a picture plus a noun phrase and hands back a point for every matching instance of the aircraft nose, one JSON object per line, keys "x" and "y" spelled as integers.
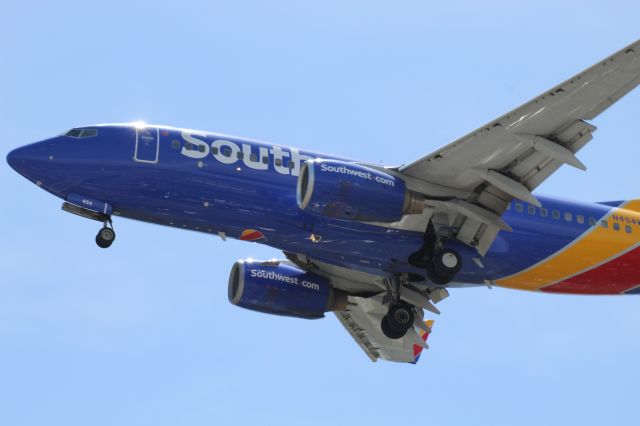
{"x": 20, "y": 158}
{"x": 28, "y": 160}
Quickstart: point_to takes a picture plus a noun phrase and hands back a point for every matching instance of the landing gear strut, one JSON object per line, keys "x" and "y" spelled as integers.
{"x": 106, "y": 235}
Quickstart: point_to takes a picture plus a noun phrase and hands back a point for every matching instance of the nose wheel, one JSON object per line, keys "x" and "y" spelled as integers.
{"x": 106, "y": 235}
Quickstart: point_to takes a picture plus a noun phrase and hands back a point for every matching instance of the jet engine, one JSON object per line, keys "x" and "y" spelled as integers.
{"x": 280, "y": 288}
{"x": 342, "y": 190}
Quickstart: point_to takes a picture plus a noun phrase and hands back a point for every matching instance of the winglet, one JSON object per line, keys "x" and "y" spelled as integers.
{"x": 417, "y": 349}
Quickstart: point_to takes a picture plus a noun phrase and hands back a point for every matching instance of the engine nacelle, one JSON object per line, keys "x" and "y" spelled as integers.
{"x": 349, "y": 191}
{"x": 280, "y": 288}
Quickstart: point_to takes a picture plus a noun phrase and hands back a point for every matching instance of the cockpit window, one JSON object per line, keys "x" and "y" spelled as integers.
{"x": 88, "y": 133}
{"x": 82, "y": 133}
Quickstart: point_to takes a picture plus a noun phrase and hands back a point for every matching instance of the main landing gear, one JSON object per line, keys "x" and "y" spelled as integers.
{"x": 441, "y": 264}
{"x": 398, "y": 321}
{"x": 405, "y": 314}
{"x": 400, "y": 317}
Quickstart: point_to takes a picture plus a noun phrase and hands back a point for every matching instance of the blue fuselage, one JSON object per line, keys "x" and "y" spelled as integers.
{"x": 227, "y": 185}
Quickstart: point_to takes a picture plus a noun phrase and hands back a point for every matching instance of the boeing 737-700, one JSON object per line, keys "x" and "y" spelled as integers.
{"x": 376, "y": 245}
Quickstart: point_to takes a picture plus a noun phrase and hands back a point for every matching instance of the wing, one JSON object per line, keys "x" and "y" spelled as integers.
{"x": 510, "y": 156}
{"x": 367, "y": 307}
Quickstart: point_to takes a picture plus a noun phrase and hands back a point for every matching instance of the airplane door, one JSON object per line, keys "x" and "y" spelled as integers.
{"x": 147, "y": 145}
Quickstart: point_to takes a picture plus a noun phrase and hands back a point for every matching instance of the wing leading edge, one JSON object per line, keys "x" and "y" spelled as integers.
{"x": 512, "y": 155}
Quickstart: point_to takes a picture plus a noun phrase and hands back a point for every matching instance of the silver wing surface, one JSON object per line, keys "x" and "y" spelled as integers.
{"x": 469, "y": 183}
{"x": 510, "y": 156}
{"x": 367, "y": 306}
{"x": 362, "y": 321}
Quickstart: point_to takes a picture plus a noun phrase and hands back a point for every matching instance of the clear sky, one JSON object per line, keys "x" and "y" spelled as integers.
{"x": 143, "y": 334}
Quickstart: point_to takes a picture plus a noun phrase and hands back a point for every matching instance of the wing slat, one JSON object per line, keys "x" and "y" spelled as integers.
{"x": 518, "y": 151}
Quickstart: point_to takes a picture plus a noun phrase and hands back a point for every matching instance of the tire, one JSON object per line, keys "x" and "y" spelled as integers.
{"x": 389, "y": 332}
{"x": 105, "y": 237}
{"x": 107, "y": 234}
{"x": 102, "y": 243}
{"x": 436, "y": 278}
{"x": 447, "y": 263}
{"x": 400, "y": 317}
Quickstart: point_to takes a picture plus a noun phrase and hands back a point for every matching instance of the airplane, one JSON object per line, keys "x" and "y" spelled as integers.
{"x": 376, "y": 245}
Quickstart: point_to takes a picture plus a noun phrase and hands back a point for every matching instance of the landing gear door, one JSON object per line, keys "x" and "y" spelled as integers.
{"x": 147, "y": 145}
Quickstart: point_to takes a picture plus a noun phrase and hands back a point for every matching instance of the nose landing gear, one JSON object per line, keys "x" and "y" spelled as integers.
{"x": 106, "y": 235}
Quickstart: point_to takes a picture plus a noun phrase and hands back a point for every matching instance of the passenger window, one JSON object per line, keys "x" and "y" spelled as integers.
{"x": 201, "y": 148}
{"x": 604, "y": 224}
{"x": 226, "y": 151}
{"x": 175, "y": 144}
{"x": 278, "y": 162}
{"x": 290, "y": 165}
{"x": 214, "y": 150}
{"x": 555, "y": 214}
{"x": 544, "y": 212}
{"x": 616, "y": 226}
{"x": 580, "y": 219}
{"x": 592, "y": 221}
{"x": 188, "y": 146}
{"x": 240, "y": 155}
{"x": 519, "y": 208}
{"x": 265, "y": 159}
{"x": 628, "y": 229}
{"x": 253, "y": 157}
{"x": 568, "y": 216}
{"x": 531, "y": 210}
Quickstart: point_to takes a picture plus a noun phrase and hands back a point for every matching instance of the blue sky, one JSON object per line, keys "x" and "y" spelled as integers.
{"x": 143, "y": 333}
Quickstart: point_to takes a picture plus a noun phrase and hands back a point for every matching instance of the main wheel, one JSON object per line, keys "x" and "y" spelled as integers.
{"x": 435, "y": 277}
{"x": 400, "y": 317}
{"x": 398, "y": 321}
{"x": 447, "y": 262}
{"x": 105, "y": 237}
{"x": 389, "y": 332}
